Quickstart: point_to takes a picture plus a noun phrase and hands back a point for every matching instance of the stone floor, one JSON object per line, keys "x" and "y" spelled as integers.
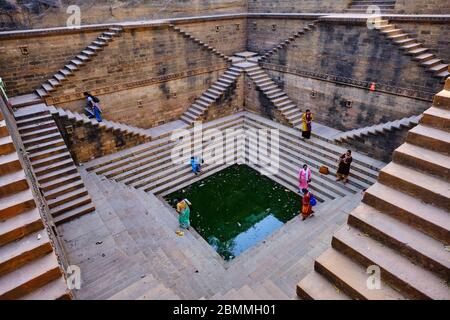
{"x": 128, "y": 248}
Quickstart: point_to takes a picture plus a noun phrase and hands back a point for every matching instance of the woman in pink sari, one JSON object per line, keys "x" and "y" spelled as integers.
{"x": 304, "y": 177}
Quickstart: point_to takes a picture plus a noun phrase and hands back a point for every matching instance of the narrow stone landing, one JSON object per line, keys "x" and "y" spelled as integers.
{"x": 128, "y": 248}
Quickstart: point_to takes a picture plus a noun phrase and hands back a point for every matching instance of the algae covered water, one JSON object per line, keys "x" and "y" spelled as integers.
{"x": 236, "y": 208}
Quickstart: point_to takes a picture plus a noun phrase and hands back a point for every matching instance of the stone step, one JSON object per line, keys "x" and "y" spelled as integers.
{"x": 54, "y": 184}
{"x": 56, "y": 174}
{"x": 46, "y": 146}
{"x": 137, "y": 289}
{"x": 9, "y": 163}
{"x": 437, "y": 118}
{"x": 73, "y": 214}
{"x": 418, "y": 247}
{"x": 16, "y": 203}
{"x": 48, "y": 153}
{"x": 442, "y": 98}
{"x": 36, "y": 127}
{"x": 6, "y": 146}
{"x": 54, "y": 290}
{"x": 67, "y": 197}
{"x": 55, "y": 160}
{"x": 429, "y": 189}
{"x": 12, "y": 182}
{"x": 316, "y": 287}
{"x": 19, "y": 225}
{"x": 410, "y": 280}
{"x": 29, "y": 277}
{"x": 351, "y": 277}
{"x": 39, "y": 133}
{"x": 430, "y": 220}
{"x": 42, "y": 139}
{"x": 53, "y": 168}
{"x": 3, "y": 129}
{"x": 422, "y": 159}
{"x": 18, "y": 253}
{"x": 70, "y": 205}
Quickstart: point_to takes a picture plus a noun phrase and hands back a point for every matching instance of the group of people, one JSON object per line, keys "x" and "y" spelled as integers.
{"x": 305, "y": 177}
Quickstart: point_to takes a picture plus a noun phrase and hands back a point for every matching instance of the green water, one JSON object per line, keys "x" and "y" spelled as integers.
{"x": 237, "y": 208}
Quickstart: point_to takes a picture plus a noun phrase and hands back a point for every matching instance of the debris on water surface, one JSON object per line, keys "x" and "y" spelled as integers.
{"x": 287, "y": 190}
{"x": 238, "y": 224}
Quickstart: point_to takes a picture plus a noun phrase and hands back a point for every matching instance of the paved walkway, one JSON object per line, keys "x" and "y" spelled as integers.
{"x": 131, "y": 237}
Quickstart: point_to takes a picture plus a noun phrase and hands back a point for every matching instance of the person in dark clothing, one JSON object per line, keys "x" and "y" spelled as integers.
{"x": 344, "y": 166}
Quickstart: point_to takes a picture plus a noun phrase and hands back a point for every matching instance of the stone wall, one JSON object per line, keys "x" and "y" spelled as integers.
{"x": 380, "y": 146}
{"x": 257, "y": 102}
{"x": 26, "y": 62}
{"x": 109, "y": 11}
{"x": 266, "y": 33}
{"x": 87, "y": 142}
{"x": 434, "y": 35}
{"x": 289, "y": 6}
{"x": 227, "y": 36}
{"x": 349, "y": 58}
{"x": 422, "y": 6}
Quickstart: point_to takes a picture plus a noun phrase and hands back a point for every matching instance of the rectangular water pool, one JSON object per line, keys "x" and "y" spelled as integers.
{"x": 236, "y": 208}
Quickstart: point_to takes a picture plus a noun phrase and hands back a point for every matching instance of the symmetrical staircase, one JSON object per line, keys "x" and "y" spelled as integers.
{"x": 378, "y": 128}
{"x": 402, "y": 226}
{"x": 199, "y": 42}
{"x": 361, "y": 6}
{"x": 210, "y": 96}
{"x": 106, "y": 124}
{"x": 52, "y": 164}
{"x": 285, "y": 43}
{"x": 149, "y": 166}
{"x": 28, "y": 266}
{"x": 277, "y": 96}
{"x": 412, "y": 47}
{"x": 78, "y": 62}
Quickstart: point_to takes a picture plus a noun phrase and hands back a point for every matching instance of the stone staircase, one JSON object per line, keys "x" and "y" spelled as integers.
{"x": 287, "y": 108}
{"x": 105, "y": 124}
{"x": 211, "y": 96}
{"x": 149, "y": 166}
{"x": 56, "y": 173}
{"x": 199, "y": 42}
{"x": 78, "y": 62}
{"x": 29, "y": 268}
{"x": 402, "y": 226}
{"x": 285, "y": 43}
{"x": 437, "y": 67}
{"x": 378, "y": 128}
{"x": 361, "y": 6}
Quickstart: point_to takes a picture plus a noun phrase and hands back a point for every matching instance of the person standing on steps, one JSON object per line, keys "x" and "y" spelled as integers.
{"x": 184, "y": 213}
{"x": 307, "y": 119}
{"x": 307, "y": 210}
{"x": 196, "y": 165}
{"x": 304, "y": 178}
{"x": 344, "y": 166}
{"x": 92, "y": 109}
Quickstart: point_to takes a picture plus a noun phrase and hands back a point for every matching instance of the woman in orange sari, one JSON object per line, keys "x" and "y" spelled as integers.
{"x": 306, "y": 204}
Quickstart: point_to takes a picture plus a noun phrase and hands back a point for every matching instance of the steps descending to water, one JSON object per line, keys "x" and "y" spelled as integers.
{"x": 378, "y": 128}
{"x": 27, "y": 261}
{"x": 210, "y": 96}
{"x": 285, "y": 43}
{"x": 437, "y": 67}
{"x": 52, "y": 164}
{"x": 403, "y": 224}
{"x": 77, "y": 63}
